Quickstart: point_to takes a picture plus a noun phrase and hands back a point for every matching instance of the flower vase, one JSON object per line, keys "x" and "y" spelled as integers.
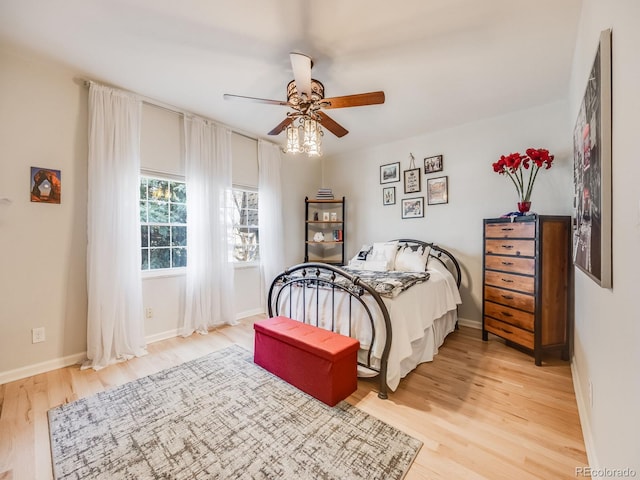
{"x": 523, "y": 207}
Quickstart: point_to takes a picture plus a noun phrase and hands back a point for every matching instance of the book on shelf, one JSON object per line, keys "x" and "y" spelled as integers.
{"x": 324, "y": 194}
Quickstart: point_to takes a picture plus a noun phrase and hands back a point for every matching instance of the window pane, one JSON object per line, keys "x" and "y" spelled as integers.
{"x": 159, "y": 212}
{"x": 252, "y": 218}
{"x": 144, "y": 237}
{"x": 159, "y": 236}
{"x": 178, "y": 213}
{"x": 160, "y": 258}
{"x": 252, "y": 200}
{"x": 178, "y": 192}
{"x": 179, "y": 257}
{"x": 158, "y": 189}
{"x": 178, "y": 236}
{"x": 143, "y": 188}
{"x": 143, "y": 211}
{"x": 145, "y": 259}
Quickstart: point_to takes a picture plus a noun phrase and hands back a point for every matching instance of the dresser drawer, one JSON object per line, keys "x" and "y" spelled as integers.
{"x": 512, "y": 282}
{"x": 510, "y": 230}
{"x": 519, "y": 248}
{"x": 525, "y": 266}
{"x": 517, "y": 300}
{"x": 509, "y": 315}
{"x": 509, "y": 332}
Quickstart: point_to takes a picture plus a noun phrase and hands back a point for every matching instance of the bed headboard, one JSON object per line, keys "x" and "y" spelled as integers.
{"x": 437, "y": 253}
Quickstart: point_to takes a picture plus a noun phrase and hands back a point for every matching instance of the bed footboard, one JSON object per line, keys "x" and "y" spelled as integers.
{"x": 320, "y": 287}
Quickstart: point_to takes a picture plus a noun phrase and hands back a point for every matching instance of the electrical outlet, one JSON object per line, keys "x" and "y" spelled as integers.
{"x": 148, "y": 312}
{"x": 37, "y": 335}
{"x": 590, "y": 394}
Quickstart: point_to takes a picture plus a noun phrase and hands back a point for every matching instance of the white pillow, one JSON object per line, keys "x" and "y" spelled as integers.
{"x": 361, "y": 256}
{"x": 371, "y": 265}
{"x": 409, "y": 260}
{"x": 384, "y": 251}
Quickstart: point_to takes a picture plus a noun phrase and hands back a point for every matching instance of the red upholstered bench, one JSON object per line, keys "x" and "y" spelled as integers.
{"x": 317, "y": 361}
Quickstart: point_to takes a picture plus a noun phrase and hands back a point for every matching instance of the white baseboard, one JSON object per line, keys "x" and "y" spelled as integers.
{"x": 157, "y": 337}
{"x": 584, "y": 417}
{"x": 465, "y": 322}
{"x": 250, "y": 313}
{"x": 38, "y": 368}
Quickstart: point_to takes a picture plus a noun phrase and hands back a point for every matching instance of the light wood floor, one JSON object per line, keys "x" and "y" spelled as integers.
{"x": 483, "y": 410}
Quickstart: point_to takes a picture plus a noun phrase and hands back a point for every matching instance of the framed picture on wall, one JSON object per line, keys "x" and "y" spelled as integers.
{"x": 413, "y": 207}
{"x": 412, "y": 180}
{"x": 433, "y": 164}
{"x": 437, "y": 190}
{"x": 390, "y": 172}
{"x": 46, "y": 185}
{"x": 592, "y": 171}
{"x": 389, "y": 196}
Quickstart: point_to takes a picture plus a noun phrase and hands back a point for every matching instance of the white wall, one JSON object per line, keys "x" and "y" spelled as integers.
{"x": 475, "y": 191}
{"x": 607, "y": 331}
{"x": 43, "y": 119}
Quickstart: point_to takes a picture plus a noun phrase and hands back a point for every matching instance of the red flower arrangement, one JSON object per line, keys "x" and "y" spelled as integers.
{"x": 514, "y": 165}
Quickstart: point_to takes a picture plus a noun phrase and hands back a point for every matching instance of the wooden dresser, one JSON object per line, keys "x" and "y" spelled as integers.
{"x": 527, "y": 282}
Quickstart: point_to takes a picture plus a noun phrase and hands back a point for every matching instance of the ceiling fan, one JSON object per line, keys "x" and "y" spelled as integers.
{"x": 305, "y": 95}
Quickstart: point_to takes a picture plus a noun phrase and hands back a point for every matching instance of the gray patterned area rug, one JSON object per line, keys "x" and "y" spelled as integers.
{"x": 221, "y": 417}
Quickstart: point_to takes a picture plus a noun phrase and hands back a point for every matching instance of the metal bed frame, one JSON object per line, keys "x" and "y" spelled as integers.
{"x": 317, "y": 275}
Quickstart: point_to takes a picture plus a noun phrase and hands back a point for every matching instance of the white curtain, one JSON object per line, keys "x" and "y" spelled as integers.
{"x": 115, "y": 322}
{"x": 270, "y": 216}
{"x": 209, "y": 290}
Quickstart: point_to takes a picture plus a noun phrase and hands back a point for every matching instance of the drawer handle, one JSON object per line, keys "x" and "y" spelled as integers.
{"x": 507, "y": 229}
{"x": 507, "y": 246}
{"x": 506, "y": 280}
{"x": 506, "y": 314}
{"x": 505, "y": 330}
{"x": 508, "y": 297}
{"x": 507, "y": 263}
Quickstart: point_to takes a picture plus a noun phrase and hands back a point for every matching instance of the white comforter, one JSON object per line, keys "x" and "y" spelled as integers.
{"x": 415, "y": 338}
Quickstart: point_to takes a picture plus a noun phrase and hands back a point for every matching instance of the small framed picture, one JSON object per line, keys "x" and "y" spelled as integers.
{"x": 413, "y": 207}
{"x": 334, "y": 217}
{"x": 437, "y": 190}
{"x": 433, "y": 164}
{"x": 390, "y": 173}
{"x": 325, "y": 216}
{"x": 412, "y": 180}
{"x": 46, "y": 185}
{"x": 389, "y": 196}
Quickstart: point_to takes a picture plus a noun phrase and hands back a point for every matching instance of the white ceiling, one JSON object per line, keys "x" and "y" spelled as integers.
{"x": 440, "y": 62}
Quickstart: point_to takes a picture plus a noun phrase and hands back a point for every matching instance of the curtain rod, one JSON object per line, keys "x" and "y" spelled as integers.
{"x": 165, "y": 106}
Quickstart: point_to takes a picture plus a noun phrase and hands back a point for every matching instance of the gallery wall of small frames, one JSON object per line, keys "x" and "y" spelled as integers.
{"x": 436, "y": 185}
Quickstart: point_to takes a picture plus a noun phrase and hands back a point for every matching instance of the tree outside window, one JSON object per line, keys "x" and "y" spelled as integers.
{"x": 163, "y": 223}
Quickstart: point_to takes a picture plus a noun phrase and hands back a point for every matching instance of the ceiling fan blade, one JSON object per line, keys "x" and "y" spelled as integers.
{"x": 281, "y": 126}
{"x": 330, "y": 124}
{"x": 228, "y": 96}
{"x": 301, "y": 65}
{"x": 358, "y": 100}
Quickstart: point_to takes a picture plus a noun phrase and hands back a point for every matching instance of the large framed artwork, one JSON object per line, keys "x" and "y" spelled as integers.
{"x": 592, "y": 171}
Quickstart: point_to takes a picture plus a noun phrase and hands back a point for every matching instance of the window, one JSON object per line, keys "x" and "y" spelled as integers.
{"x": 246, "y": 238}
{"x": 163, "y": 223}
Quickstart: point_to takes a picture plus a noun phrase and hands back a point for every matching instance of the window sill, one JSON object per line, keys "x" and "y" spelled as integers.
{"x": 164, "y": 273}
{"x": 243, "y": 265}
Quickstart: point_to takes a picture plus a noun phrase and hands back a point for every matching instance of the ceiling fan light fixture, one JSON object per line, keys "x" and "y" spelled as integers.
{"x": 304, "y": 136}
{"x": 293, "y": 140}
{"x": 312, "y": 138}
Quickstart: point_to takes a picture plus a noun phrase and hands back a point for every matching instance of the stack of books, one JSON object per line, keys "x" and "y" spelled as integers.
{"x": 325, "y": 194}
